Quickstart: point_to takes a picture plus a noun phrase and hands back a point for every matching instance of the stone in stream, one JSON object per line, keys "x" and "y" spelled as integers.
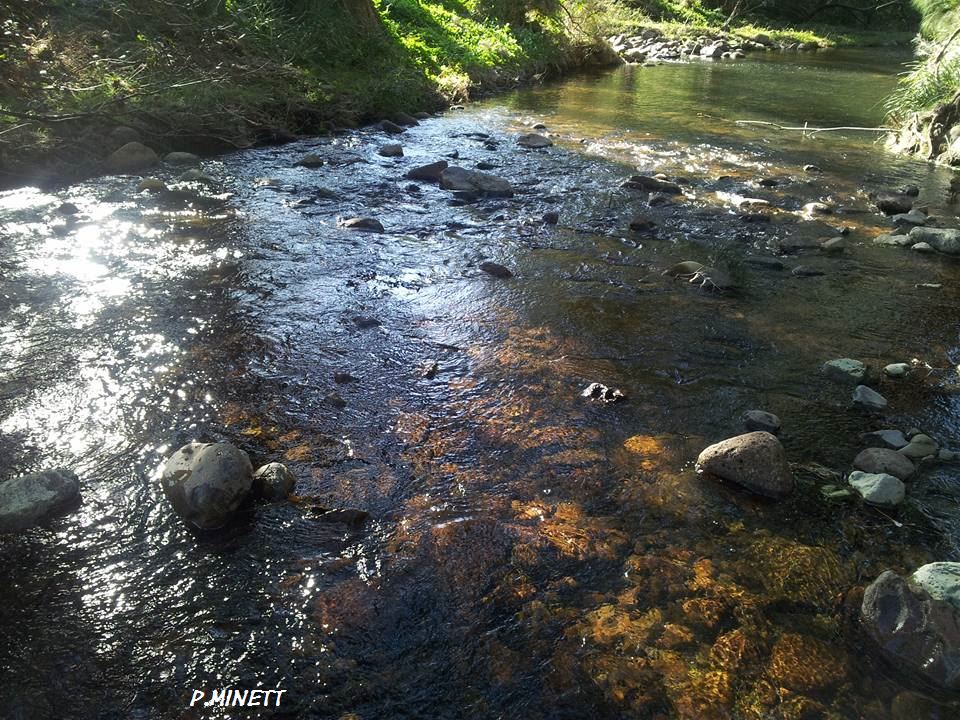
{"x": 946, "y": 240}
{"x": 765, "y": 263}
{"x": 791, "y": 245}
{"x": 310, "y": 160}
{"x": 457, "y": 178}
{"x": 402, "y": 118}
{"x": 878, "y": 489}
{"x": 274, "y": 481}
{"x": 755, "y": 461}
{"x": 194, "y": 175}
{"x": 181, "y": 159}
{"x": 642, "y": 223}
{"x": 941, "y": 580}
{"x": 914, "y": 631}
{"x": 390, "y": 127}
{"x": 364, "y": 224}
{"x": 551, "y": 217}
{"x": 761, "y": 420}
{"x": 922, "y": 247}
{"x": 533, "y": 141}
{"x": 920, "y": 446}
{"x": 391, "y": 150}
{"x": 833, "y": 245}
{"x": 335, "y": 400}
{"x": 892, "y": 203}
{"x": 152, "y": 185}
{"x": 890, "y": 439}
{"x": 910, "y": 219}
{"x": 364, "y": 322}
{"x": 207, "y": 483}
{"x": 495, "y": 269}
{"x": 28, "y": 500}
{"x": 817, "y": 208}
{"x": 896, "y": 370}
{"x": 894, "y": 240}
{"x": 428, "y": 173}
{"x": 812, "y": 169}
{"x": 651, "y": 184}
{"x": 340, "y": 378}
{"x": 882, "y": 460}
{"x": 807, "y": 271}
{"x": 844, "y": 370}
{"x": 67, "y": 209}
{"x": 131, "y": 158}
{"x": 602, "y": 393}
{"x": 866, "y": 398}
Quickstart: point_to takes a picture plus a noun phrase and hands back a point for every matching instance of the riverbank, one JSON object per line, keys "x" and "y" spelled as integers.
{"x": 216, "y": 77}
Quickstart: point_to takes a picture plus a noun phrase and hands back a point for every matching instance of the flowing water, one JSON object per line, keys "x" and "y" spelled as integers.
{"x": 527, "y": 553}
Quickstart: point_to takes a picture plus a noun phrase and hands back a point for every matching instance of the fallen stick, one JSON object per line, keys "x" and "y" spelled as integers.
{"x": 807, "y": 128}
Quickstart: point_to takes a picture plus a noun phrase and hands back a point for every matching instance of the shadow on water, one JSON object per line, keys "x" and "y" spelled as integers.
{"x": 527, "y": 552}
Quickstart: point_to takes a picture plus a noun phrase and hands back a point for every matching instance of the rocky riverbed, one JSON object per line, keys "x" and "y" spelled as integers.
{"x": 485, "y": 365}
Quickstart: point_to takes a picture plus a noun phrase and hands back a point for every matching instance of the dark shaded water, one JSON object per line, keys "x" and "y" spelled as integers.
{"x": 528, "y": 553}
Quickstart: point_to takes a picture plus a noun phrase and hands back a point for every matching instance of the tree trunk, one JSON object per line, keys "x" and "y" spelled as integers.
{"x": 363, "y": 12}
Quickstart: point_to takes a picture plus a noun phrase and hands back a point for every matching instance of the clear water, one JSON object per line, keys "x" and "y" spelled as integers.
{"x": 527, "y": 553}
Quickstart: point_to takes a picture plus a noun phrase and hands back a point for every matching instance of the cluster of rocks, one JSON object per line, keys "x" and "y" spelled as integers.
{"x": 208, "y": 483}
{"x": 131, "y": 155}
{"x": 649, "y": 46}
{"x": 911, "y": 224}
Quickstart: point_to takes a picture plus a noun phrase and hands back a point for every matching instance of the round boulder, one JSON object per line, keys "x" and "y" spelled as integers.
{"x": 878, "y": 489}
{"x": 30, "y": 499}
{"x": 181, "y": 159}
{"x": 882, "y": 460}
{"x": 274, "y": 481}
{"x": 761, "y": 420}
{"x": 755, "y": 461}
{"x": 132, "y": 157}
{"x": 941, "y": 580}
{"x": 207, "y": 483}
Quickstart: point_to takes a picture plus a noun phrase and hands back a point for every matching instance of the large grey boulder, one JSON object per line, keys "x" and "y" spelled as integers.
{"x": 882, "y": 460}
{"x": 181, "y": 159}
{"x": 761, "y": 420}
{"x": 30, "y": 499}
{"x": 878, "y": 489}
{"x": 428, "y": 173}
{"x": 534, "y": 141}
{"x": 458, "y": 178}
{"x": 207, "y": 483}
{"x": 866, "y": 398}
{"x": 920, "y": 446}
{"x": 914, "y": 631}
{"x": 941, "y": 580}
{"x": 755, "y": 461}
{"x": 945, "y": 240}
{"x": 131, "y": 158}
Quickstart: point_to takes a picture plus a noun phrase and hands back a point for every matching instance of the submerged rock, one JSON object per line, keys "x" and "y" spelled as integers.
{"x": 207, "y": 483}
{"x": 883, "y": 460}
{"x": 461, "y": 179}
{"x": 365, "y": 224}
{"x": 914, "y": 631}
{"x": 181, "y": 159}
{"x": 495, "y": 269}
{"x": 274, "y": 481}
{"x": 896, "y": 370}
{"x": 30, "y": 499}
{"x": 390, "y": 150}
{"x": 878, "y": 489}
{"x": 844, "y": 370}
{"x": 943, "y": 239}
{"x": 311, "y": 160}
{"x": 651, "y": 184}
{"x": 755, "y": 461}
{"x": 599, "y": 391}
{"x": 866, "y": 398}
{"x": 761, "y": 420}
{"x": 131, "y": 158}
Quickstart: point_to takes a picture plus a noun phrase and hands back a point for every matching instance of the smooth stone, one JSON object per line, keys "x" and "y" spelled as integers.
{"x": 844, "y": 370}
{"x": 761, "y": 420}
{"x": 310, "y": 160}
{"x": 914, "y": 217}
{"x": 151, "y": 185}
{"x": 388, "y": 126}
{"x": 883, "y": 460}
{"x": 922, "y": 247}
{"x": 457, "y": 178}
{"x": 402, "y": 118}
{"x": 833, "y": 245}
{"x": 878, "y": 488}
{"x": 868, "y": 399}
{"x": 817, "y": 208}
{"x": 914, "y": 631}
{"x": 390, "y": 150}
{"x": 495, "y": 269}
{"x": 941, "y": 580}
{"x": 893, "y": 203}
{"x": 651, "y": 184}
{"x": 181, "y": 159}
{"x": 67, "y": 209}
{"x": 207, "y": 483}
{"x": 755, "y": 461}
{"x": 364, "y": 224}
{"x": 534, "y": 141}
{"x": 890, "y": 439}
{"x": 893, "y": 240}
{"x": 131, "y": 158}
{"x": 428, "y": 173}
{"x": 28, "y": 500}
{"x": 946, "y": 240}
{"x": 896, "y": 370}
{"x": 920, "y": 446}
{"x": 274, "y": 481}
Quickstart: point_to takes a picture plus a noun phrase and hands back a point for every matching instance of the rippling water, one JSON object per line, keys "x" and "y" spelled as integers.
{"x": 527, "y": 553}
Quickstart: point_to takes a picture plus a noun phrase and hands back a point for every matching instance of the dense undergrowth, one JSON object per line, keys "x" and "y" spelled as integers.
{"x": 205, "y": 75}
